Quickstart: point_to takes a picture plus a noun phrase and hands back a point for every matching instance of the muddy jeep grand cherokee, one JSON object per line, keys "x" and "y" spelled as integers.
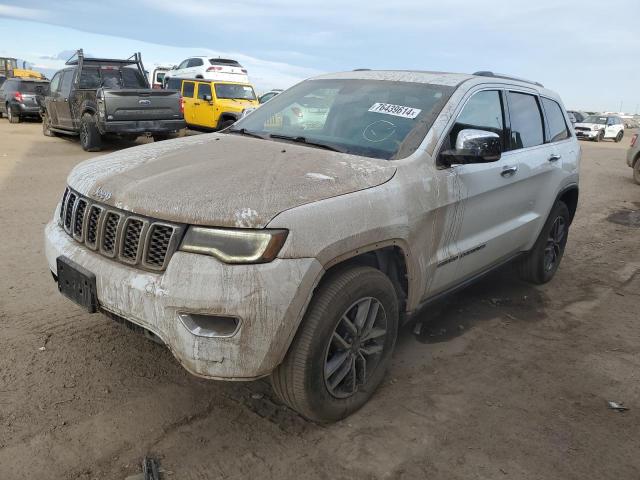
{"x": 296, "y": 249}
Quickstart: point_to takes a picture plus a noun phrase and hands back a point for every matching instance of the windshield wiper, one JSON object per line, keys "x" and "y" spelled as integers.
{"x": 304, "y": 141}
{"x": 244, "y": 131}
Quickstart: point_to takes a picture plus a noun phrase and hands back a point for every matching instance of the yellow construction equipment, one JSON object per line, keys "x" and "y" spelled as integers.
{"x": 9, "y": 68}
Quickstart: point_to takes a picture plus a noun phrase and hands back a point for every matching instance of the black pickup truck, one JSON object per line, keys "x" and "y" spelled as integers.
{"x": 93, "y": 97}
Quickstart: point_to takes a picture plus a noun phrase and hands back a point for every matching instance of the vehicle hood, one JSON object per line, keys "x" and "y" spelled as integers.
{"x": 223, "y": 180}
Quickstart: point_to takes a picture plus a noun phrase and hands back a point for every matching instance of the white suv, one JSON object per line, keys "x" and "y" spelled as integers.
{"x": 297, "y": 251}
{"x": 599, "y": 127}
{"x": 210, "y": 68}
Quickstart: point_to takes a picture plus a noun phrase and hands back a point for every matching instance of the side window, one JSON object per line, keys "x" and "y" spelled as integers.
{"x": 173, "y": 84}
{"x": 55, "y": 82}
{"x": 195, "y": 62}
{"x": 204, "y": 89}
{"x": 187, "y": 89}
{"x": 483, "y": 111}
{"x": 67, "y": 78}
{"x": 526, "y": 121}
{"x": 557, "y": 125}
{"x": 183, "y": 64}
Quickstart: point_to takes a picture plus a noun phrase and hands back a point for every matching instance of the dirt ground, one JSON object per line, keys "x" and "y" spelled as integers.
{"x": 503, "y": 380}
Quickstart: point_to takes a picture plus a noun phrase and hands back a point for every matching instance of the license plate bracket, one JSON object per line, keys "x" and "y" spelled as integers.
{"x": 77, "y": 283}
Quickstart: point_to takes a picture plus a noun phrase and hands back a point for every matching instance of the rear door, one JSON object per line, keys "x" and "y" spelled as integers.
{"x": 194, "y": 67}
{"x": 188, "y": 97}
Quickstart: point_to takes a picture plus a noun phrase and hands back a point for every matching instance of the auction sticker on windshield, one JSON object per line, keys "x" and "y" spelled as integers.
{"x": 395, "y": 110}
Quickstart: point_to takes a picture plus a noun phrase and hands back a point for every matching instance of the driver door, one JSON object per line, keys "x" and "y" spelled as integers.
{"x": 487, "y": 213}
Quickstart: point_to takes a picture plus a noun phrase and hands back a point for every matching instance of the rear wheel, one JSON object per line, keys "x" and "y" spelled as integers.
{"x": 619, "y": 136}
{"x": 542, "y": 261}
{"x": 12, "y": 116}
{"x": 636, "y": 171}
{"x": 90, "y": 138}
{"x": 158, "y": 137}
{"x": 343, "y": 346}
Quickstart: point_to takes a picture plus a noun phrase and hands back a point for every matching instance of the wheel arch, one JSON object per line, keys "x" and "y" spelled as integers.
{"x": 569, "y": 196}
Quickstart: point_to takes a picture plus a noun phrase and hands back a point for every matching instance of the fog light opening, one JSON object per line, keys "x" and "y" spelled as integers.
{"x": 210, "y": 325}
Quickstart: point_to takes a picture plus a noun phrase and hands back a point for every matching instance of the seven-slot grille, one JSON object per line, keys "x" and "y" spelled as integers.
{"x": 117, "y": 234}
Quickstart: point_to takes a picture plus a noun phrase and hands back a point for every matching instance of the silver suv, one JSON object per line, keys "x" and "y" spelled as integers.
{"x": 297, "y": 249}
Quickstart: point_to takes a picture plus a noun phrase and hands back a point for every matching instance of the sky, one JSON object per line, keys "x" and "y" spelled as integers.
{"x": 587, "y": 54}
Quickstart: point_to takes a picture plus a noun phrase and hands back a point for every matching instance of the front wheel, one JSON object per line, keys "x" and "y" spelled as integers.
{"x": 541, "y": 263}
{"x": 159, "y": 137}
{"x": 636, "y": 171}
{"x": 619, "y": 136}
{"x": 46, "y": 126}
{"x": 343, "y": 346}
{"x": 90, "y": 138}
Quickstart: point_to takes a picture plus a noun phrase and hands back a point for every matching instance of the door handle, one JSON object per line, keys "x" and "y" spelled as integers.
{"x": 509, "y": 171}
{"x": 196, "y": 103}
{"x": 555, "y": 157}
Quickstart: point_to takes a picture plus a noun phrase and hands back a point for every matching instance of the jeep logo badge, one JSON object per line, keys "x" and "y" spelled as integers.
{"x": 144, "y": 102}
{"x": 102, "y": 194}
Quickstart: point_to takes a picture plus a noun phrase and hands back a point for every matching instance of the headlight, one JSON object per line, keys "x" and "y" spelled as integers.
{"x": 234, "y": 245}
{"x": 594, "y": 127}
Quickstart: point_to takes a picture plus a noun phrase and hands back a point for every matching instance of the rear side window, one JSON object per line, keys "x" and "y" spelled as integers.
{"x": 204, "y": 89}
{"x": 557, "y": 125}
{"x": 483, "y": 111}
{"x": 526, "y": 121}
{"x": 187, "y": 89}
{"x": 195, "y": 62}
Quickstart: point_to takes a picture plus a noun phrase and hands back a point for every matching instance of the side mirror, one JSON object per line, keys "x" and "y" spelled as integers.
{"x": 474, "y": 146}
{"x": 207, "y": 98}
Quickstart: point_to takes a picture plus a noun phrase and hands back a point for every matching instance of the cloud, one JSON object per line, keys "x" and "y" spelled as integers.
{"x": 23, "y": 13}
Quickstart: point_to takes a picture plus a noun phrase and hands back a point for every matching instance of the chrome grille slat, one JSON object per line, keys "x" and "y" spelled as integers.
{"x": 117, "y": 234}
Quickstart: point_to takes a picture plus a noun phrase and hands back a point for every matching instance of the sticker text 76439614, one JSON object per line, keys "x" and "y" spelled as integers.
{"x": 395, "y": 110}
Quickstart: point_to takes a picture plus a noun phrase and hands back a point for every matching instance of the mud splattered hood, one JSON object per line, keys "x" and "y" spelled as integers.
{"x": 223, "y": 180}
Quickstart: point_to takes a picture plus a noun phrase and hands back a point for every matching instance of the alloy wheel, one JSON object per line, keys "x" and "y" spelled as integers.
{"x": 555, "y": 244}
{"x": 355, "y": 347}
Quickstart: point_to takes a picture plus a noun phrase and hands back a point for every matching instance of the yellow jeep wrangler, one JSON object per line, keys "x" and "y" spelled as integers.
{"x": 212, "y": 104}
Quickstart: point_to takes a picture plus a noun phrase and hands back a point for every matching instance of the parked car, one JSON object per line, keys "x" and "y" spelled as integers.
{"x": 93, "y": 97}
{"x": 575, "y": 116}
{"x": 211, "y": 104}
{"x": 209, "y": 68}
{"x": 599, "y": 127}
{"x": 265, "y": 97}
{"x": 21, "y": 97}
{"x": 157, "y": 77}
{"x": 633, "y": 157}
{"x": 278, "y": 250}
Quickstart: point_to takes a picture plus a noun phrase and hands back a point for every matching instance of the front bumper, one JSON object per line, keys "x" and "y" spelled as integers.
{"x": 142, "y": 126}
{"x": 587, "y": 134}
{"x": 269, "y": 299}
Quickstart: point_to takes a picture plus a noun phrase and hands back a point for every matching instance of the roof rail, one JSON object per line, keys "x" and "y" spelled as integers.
{"x": 361, "y": 69}
{"x": 487, "y": 73}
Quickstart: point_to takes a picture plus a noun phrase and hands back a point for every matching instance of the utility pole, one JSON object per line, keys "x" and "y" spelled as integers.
{"x": 620, "y": 107}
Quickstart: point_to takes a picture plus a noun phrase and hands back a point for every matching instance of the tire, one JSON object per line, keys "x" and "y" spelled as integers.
{"x": 159, "y": 137}
{"x": 90, "y": 138}
{"x": 619, "y": 136}
{"x": 636, "y": 171}
{"x": 300, "y": 380}
{"x": 599, "y": 137}
{"x": 541, "y": 263}
{"x": 46, "y": 126}
{"x": 226, "y": 124}
{"x": 13, "y": 118}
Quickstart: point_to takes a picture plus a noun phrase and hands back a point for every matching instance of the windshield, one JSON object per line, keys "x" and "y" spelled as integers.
{"x": 372, "y": 118}
{"x": 595, "y": 119}
{"x": 111, "y": 77}
{"x": 230, "y": 90}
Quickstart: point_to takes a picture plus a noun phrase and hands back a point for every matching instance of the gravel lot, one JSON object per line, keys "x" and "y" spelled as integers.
{"x": 503, "y": 380}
